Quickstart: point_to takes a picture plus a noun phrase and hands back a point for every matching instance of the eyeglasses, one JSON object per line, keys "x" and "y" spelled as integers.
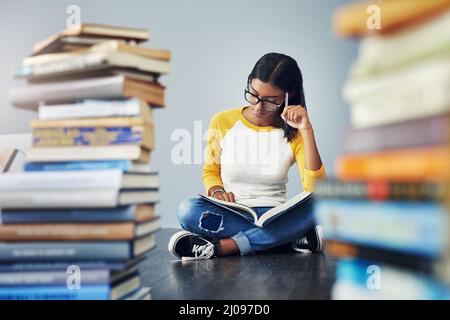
{"x": 266, "y": 104}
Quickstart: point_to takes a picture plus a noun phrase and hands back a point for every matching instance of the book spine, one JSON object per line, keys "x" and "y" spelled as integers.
{"x": 67, "y": 232}
{"x": 153, "y": 94}
{"x": 90, "y": 123}
{"x": 59, "y": 199}
{"x": 33, "y": 266}
{"x": 30, "y": 96}
{"x": 58, "y": 216}
{"x": 88, "y": 153}
{"x": 51, "y": 278}
{"x": 74, "y": 63}
{"x": 397, "y": 225}
{"x": 430, "y": 80}
{"x": 342, "y": 250}
{"x": 362, "y": 115}
{"x": 99, "y": 292}
{"x": 123, "y": 165}
{"x": 378, "y": 190}
{"x": 110, "y": 179}
{"x": 352, "y": 279}
{"x": 351, "y": 20}
{"x": 416, "y": 133}
{"x": 419, "y": 164}
{"x": 90, "y": 110}
{"x": 64, "y": 251}
{"x": 93, "y": 136}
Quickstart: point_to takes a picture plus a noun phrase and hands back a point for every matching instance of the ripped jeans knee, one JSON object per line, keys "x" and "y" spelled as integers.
{"x": 211, "y": 222}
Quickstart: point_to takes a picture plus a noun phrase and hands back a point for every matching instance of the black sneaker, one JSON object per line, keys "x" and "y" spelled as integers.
{"x": 189, "y": 246}
{"x": 313, "y": 241}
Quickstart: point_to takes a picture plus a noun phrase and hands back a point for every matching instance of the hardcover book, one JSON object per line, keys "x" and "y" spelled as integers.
{"x": 300, "y": 200}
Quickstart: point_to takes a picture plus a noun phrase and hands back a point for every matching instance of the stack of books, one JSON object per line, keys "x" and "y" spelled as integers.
{"x": 384, "y": 214}
{"x": 78, "y": 221}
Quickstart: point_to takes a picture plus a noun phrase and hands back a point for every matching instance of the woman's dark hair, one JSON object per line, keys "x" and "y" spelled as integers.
{"x": 283, "y": 72}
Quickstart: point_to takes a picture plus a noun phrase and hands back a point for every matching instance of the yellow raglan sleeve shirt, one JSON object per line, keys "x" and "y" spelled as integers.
{"x": 218, "y": 127}
{"x": 211, "y": 168}
{"x": 308, "y": 176}
{"x": 225, "y": 122}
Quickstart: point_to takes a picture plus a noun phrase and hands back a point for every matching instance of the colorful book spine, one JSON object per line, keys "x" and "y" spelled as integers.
{"x": 63, "y": 251}
{"x": 351, "y": 20}
{"x": 123, "y": 165}
{"x": 408, "y": 165}
{"x": 51, "y": 278}
{"x": 378, "y": 190}
{"x": 95, "y": 292}
{"x": 344, "y": 250}
{"x": 119, "y": 214}
{"x": 396, "y": 225}
{"x": 28, "y": 266}
{"x": 371, "y": 280}
{"x": 68, "y": 232}
{"x": 93, "y": 136}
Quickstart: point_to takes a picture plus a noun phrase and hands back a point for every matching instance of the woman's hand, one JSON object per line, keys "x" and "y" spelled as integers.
{"x": 296, "y": 117}
{"x": 225, "y": 196}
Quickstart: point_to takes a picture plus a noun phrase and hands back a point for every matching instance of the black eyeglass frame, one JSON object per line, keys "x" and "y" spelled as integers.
{"x": 258, "y": 99}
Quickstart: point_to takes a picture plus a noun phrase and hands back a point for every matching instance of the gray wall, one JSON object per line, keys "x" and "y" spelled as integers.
{"x": 214, "y": 44}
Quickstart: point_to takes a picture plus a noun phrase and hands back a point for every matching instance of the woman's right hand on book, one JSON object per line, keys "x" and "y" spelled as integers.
{"x": 219, "y": 193}
{"x": 225, "y": 196}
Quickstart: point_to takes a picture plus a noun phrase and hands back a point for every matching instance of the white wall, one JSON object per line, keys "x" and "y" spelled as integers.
{"x": 215, "y": 45}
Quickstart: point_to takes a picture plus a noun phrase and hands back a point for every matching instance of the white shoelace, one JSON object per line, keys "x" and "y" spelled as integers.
{"x": 302, "y": 241}
{"x": 298, "y": 243}
{"x": 205, "y": 251}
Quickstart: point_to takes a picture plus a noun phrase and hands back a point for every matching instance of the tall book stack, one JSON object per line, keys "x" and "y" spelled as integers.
{"x": 79, "y": 219}
{"x": 384, "y": 214}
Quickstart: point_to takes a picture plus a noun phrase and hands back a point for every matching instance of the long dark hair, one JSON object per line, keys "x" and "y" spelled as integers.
{"x": 283, "y": 72}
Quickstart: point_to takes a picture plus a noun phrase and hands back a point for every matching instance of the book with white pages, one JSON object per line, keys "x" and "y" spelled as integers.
{"x": 75, "y": 198}
{"x": 267, "y": 217}
{"x": 69, "y": 180}
{"x": 96, "y": 108}
{"x": 93, "y": 60}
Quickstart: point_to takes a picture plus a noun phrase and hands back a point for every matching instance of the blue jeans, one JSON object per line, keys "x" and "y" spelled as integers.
{"x": 209, "y": 220}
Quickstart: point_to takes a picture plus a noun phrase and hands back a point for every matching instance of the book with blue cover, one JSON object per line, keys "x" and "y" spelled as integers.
{"x": 112, "y": 265}
{"x": 137, "y": 213}
{"x": 94, "y": 136}
{"x": 403, "y": 226}
{"x": 367, "y": 280}
{"x": 73, "y": 291}
{"x": 75, "y": 250}
{"x": 123, "y": 165}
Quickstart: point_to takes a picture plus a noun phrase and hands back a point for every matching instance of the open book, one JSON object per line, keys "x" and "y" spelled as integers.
{"x": 270, "y": 215}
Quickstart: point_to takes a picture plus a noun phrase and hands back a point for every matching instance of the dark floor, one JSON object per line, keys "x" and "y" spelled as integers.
{"x": 265, "y": 276}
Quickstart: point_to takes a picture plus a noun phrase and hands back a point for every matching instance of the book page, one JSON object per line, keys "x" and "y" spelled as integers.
{"x": 247, "y": 213}
{"x": 280, "y": 209}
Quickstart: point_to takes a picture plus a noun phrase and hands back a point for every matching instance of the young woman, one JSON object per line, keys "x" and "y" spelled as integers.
{"x": 248, "y": 155}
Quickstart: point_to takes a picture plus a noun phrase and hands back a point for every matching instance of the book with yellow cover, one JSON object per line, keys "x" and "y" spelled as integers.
{"x": 351, "y": 20}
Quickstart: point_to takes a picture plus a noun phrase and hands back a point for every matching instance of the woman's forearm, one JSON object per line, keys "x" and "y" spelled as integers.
{"x": 312, "y": 156}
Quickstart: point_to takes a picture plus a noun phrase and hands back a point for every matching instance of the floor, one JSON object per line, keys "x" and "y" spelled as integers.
{"x": 270, "y": 276}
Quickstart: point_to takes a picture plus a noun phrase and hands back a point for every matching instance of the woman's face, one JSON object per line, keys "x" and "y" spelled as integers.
{"x": 265, "y": 91}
